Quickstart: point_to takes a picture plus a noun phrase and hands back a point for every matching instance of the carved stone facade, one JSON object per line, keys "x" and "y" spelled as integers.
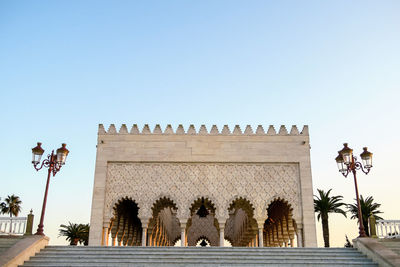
{"x": 150, "y": 187}
{"x": 185, "y": 182}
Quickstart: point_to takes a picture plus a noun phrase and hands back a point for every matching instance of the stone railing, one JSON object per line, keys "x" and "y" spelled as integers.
{"x": 388, "y": 228}
{"x": 13, "y": 225}
{"x": 16, "y": 225}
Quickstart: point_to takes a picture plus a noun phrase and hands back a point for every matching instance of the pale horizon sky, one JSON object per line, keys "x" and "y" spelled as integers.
{"x": 66, "y": 66}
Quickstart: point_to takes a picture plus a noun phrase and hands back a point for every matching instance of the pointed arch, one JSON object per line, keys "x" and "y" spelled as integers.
{"x": 276, "y": 198}
{"x": 162, "y": 203}
{"x": 125, "y": 226}
{"x": 202, "y": 225}
{"x": 164, "y": 226}
{"x": 196, "y": 204}
{"x": 279, "y": 225}
{"x": 241, "y": 226}
{"x": 243, "y": 203}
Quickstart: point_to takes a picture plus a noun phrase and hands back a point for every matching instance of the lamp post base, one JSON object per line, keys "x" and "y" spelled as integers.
{"x": 40, "y": 230}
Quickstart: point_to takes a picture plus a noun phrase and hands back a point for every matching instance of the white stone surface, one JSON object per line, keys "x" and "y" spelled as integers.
{"x": 222, "y": 166}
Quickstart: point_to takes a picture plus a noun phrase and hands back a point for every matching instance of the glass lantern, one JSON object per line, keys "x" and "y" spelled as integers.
{"x": 62, "y": 154}
{"x": 37, "y": 153}
{"x": 340, "y": 163}
{"x": 347, "y": 154}
{"x": 366, "y": 157}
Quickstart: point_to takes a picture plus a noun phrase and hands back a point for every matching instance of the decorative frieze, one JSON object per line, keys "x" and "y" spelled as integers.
{"x": 191, "y": 130}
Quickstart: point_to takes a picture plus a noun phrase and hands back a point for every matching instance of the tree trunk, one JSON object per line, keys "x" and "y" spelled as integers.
{"x": 325, "y": 230}
{"x": 366, "y": 226}
{"x": 10, "y": 223}
{"x": 74, "y": 241}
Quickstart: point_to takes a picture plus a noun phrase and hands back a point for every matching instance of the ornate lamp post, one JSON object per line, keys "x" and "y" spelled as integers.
{"x": 54, "y": 163}
{"x": 347, "y": 163}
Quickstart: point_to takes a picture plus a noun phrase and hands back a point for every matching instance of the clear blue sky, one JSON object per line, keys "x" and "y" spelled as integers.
{"x": 66, "y": 66}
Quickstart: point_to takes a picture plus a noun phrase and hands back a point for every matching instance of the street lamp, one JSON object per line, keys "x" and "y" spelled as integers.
{"x": 54, "y": 163}
{"x": 347, "y": 163}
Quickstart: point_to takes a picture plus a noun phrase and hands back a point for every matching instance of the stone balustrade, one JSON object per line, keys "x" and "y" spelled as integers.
{"x": 388, "y": 228}
{"x": 13, "y": 225}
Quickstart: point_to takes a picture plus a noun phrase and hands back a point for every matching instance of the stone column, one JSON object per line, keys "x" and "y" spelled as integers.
{"x": 144, "y": 234}
{"x": 260, "y": 233}
{"x": 183, "y": 237}
{"x": 104, "y": 242}
{"x": 299, "y": 237}
{"x": 291, "y": 229}
{"x": 221, "y": 235}
{"x": 183, "y": 223}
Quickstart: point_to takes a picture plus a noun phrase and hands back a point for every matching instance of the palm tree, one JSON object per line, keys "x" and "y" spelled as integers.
{"x": 325, "y": 204}
{"x": 368, "y": 207}
{"x": 73, "y": 232}
{"x": 85, "y": 234}
{"x": 2, "y": 206}
{"x": 12, "y": 206}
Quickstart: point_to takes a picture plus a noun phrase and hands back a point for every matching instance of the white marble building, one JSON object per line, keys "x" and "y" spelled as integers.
{"x": 162, "y": 188}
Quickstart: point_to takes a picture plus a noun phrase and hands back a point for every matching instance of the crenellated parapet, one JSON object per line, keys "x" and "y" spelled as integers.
{"x": 202, "y": 130}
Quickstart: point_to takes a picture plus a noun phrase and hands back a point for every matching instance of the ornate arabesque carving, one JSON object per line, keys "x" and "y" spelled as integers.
{"x": 185, "y": 182}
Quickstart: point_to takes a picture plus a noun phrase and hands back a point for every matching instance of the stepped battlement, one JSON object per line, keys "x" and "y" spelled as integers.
{"x": 191, "y": 130}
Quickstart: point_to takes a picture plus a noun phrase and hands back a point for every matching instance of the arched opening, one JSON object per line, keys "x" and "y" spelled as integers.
{"x": 241, "y": 227}
{"x": 203, "y": 241}
{"x": 164, "y": 227}
{"x": 202, "y": 223}
{"x": 125, "y": 227}
{"x": 279, "y": 227}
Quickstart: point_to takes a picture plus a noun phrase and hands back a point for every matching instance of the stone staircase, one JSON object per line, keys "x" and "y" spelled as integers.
{"x": 392, "y": 244}
{"x": 8, "y": 241}
{"x": 197, "y": 256}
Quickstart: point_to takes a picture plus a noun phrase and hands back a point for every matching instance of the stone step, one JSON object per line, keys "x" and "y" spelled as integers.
{"x": 208, "y": 263}
{"x": 391, "y": 244}
{"x": 195, "y": 256}
{"x": 138, "y": 264}
{"x": 205, "y": 262}
{"x": 199, "y": 249}
{"x": 8, "y": 241}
